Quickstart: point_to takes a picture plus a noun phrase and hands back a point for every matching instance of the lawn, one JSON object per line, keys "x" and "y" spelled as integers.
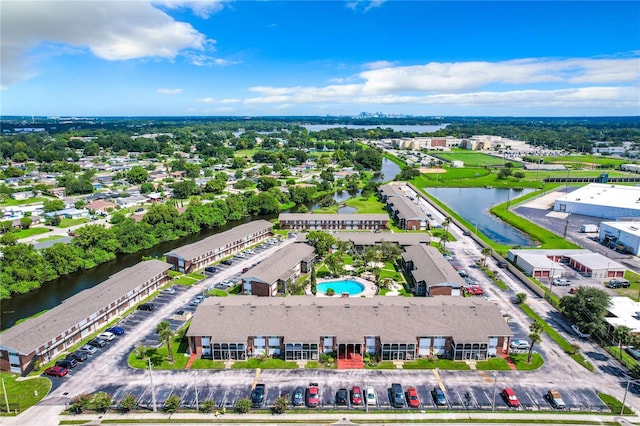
{"x": 312, "y": 365}
{"x": 633, "y": 291}
{"x": 196, "y": 276}
{"x": 51, "y": 238}
{"x": 25, "y": 233}
{"x": 614, "y": 404}
{"x": 265, "y": 363}
{"x": 9, "y": 202}
{"x": 429, "y": 364}
{"x": 366, "y": 205}
{"x": 586, "y": 161}
{"x": 66, "y": 223}
{"x": 474, "y": 159}
{"x": 217, "y": 293}
{"x": 383, "y": 365}
{"x": 493, "y": 364}
{"x": 207, "y": 364}
{"x": 23, "y": 394}
{"x": 520, "y": 361}
{"x": 184, "y": 280}
{"x": 160, "y": 356}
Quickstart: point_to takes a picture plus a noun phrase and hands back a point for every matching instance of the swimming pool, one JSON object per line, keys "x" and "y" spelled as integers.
{"x": 341, "y": 286}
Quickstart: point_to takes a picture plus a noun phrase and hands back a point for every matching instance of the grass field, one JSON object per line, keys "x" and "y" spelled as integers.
{"x": 585, "y": 161}
{"x": 65, "y": 223}
{"x": 23, "y": 393}
{"x": 51, "y": 238}
{"x": 9, "y": 202}
{"x": 25, "y": 233}
{"x": 474, "y": 159}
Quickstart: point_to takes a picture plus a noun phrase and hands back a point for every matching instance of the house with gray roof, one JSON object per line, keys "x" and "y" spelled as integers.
{"x": 197, "y": 255}
{"x": 391, "y": 328}
{"x": 271, "y": 277}
{"x": 312, "y": 221}
{"x": 431, "y": 274}
{"x": 407, "y": 214}
{"x": 43, "y": 337}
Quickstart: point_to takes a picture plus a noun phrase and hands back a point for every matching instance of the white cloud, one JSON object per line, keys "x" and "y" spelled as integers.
{"x": 203, "y": 60}
{"x": 364, "y": 5}
{"x": 170, "y": 91}
{"x": 111, "y": 30}
{"x": 521, "y": 83}
{"x": 206, "y": 100}
{"x": 230, "y": 101}
{"x": 376, "y": 65}
{"x": 201, "y": 8}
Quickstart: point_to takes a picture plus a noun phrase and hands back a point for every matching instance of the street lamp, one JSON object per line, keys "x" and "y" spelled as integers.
{"x": 626, "y": 390}
{"x": 153, "y": 390}
{"x": 195, "y": 385}
{"x": 495, "y": 383}
{"x": 4, "y": 392}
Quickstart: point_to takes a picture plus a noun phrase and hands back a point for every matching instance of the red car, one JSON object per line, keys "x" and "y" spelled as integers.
{"x": 510, "y": 398}
{"x": 56, "y": 371}
{"x": 412, "y": 398}
{"x": 356, "y": 395}
{"x": 313, "y": 395}
{"x": 475, "y": 290}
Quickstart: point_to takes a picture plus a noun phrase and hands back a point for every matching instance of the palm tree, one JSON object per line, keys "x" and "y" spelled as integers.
{"x": 445, "y": 237}
{"x": 486, "y": 252}
{"x": 622, "y": 334}
{"x": 165, "y": 335}
{"x": 535, "y": 338}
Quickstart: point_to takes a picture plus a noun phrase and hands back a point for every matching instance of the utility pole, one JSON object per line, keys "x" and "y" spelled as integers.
{"x": 6, "y": 398}
{"x": 153, "y": 390}
{"x": 195, "y": 384}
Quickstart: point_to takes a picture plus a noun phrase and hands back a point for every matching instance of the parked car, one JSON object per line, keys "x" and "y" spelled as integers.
{"x": 342, "y": 397}
{"x": 397, "y": 396}
{"x": 79, "y": 356}
{"x": 519, "y": 344}
{"x": 555, "y": 399}
{"x": 510, "y": 398}
{"x": 88, "y": 349}
{"x": 227, "y": 262}
{"x": 56, "y": 371}
{"x": 356, "y": 395}
{"x": 412, "y": 398}
{"x": 634, "y": 352}
{"x": 438, "y": 396}
{"x": 227, "y": 283}
{"x": 618, "y": 283}
{"x": 146, "y": 307}
{"x": 118, "y": 331}
{"x": 97, "y": 342}
{"x": 211, "y": 269}
{"x": 313, "y": 395}
{"x": 245, "y": 269}
{"x": 502, "y": 264}
{"x": 449, "y": 258}
{"x": 576, "y": 330}
{"x": 107, "y": 335}
{"x": 67, "y": 363}
{"x": 257, "y": 395}
{"x": 466, "y": 233}
{"x": 170, "y": 290}
{"x": 297, "y": 399}
{"x": 370, "y": 396}
{"x": 561, "y": 282}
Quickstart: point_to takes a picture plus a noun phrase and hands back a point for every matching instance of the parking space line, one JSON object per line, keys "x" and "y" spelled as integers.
{"x": 255, "y": 378}
{"x": 436, "y": 374}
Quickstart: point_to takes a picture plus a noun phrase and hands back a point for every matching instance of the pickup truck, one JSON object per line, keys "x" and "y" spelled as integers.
{"x": 555, "y": 399}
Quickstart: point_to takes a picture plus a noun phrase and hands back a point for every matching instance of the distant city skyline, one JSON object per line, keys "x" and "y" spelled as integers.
{"x": 268, "y": 58}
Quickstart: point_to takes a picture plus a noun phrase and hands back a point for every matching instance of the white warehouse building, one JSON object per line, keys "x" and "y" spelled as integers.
{"x": 625, "y": 233}
{"x": 601, "y": 200}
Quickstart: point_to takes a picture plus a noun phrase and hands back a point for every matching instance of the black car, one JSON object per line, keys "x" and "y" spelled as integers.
{"x": 211, "y": 269}
{"x": 297, "y": 399}
{"x": 146, "y": 307}
{"x": 342, "y": 397}
{"x": 397, "y": 396}
{"x": 227, "y": 262}
{"x": 79, "y": 356}
{"x": 67, "y": 363}
{"x": 257, "y": 395}
{"x": 97, "y": 342}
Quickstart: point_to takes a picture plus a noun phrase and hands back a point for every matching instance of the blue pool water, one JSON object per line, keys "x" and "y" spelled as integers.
{"x": 341, "y": 286}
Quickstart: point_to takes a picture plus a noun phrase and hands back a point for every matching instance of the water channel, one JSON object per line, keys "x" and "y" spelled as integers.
{"x": 53, "y": 293}
{"x": 473, "y": 204}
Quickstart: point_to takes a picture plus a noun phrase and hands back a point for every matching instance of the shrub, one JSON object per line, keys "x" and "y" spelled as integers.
{"x": 128, "y": 403}
{"x": 243, "y": 406}
{"x": 207, "y": 405}
{"x": 521, "y": 298}
{"x": 280, "y": 405}
{"x": 102, "y": 401}
{"x": 172, "y": 404}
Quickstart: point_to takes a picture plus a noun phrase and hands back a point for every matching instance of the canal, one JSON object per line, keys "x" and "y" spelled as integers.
{"x": 473, "y": 205}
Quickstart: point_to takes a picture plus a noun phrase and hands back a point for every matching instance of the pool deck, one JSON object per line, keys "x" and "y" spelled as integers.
{"x": 369, "y": 287}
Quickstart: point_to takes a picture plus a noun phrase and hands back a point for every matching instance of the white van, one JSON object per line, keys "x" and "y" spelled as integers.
{"x": 519, "y": 344}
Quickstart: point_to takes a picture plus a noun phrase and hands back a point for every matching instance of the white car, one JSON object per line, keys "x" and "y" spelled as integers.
{"x": 576, "y": 330}
{"x": 370, "y": 396}
{"x": 561, "y": 282}
{"x": 107, "y": 335}
{"x": 519, "y": 344}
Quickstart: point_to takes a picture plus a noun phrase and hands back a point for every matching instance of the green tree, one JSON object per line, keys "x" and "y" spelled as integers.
{"x": 102, "y": 401}
{"x": 207, "y": 405}
{"x": 80, "y": 403}
{"x": 184, "y": 189}
{"x": 165, "y": 335}
{"x": 266, "y": 182}
{"x": 146, "y": 188}
{"x": 534, "y": 336}
{"x": 313, "y": 281}
{"x": 243, "y": 405}
{"x": 137, "y": 175}
{"x": 486, "y": 252}
{"x": 334, "y": 263}
{"x": 587, "y": 309}
{"x": 521, "y": 298}
{"x": 262, "y": 204}
{"x": 25, "y": 222}
{"x": 622, "y": 334}
{"x": 172, "y": 404}
{"x": 320, "y": 241}
{"x": 52, "y": 205}
{"x": 128, "y": 403}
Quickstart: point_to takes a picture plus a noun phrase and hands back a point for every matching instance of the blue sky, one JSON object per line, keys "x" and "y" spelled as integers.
{"x": 176, "y": 58}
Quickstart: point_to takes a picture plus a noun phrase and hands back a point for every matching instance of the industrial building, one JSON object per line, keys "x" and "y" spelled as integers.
{"x": 621, "y": 236}
{"x": 607, "y": 201}
{"x": 553, "y": 263}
